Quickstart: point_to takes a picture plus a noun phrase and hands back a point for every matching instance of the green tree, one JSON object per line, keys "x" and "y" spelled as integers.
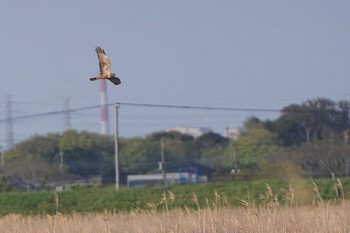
{"x": 209, "y": 141}
{"x": 218, "y": 158}
{"x": 214, "y": 152}
{"x": 86, "y": 153}
{"x": 177, "y": 147}
{"x": 138, "y": 156}
{"x": 255, "y": 143}
{"x": 37, "y": 146}
{"x": 313, "y": 120}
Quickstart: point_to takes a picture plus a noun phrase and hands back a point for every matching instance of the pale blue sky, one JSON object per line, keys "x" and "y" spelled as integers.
{"x": 238, "y": 54}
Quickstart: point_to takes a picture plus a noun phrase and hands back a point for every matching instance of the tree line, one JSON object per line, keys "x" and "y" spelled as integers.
{"x": 306, "y": 140}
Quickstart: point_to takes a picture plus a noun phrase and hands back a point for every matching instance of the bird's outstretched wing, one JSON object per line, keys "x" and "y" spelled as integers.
{"x": 115, "y": 80}
{"x": 104, "y": 63}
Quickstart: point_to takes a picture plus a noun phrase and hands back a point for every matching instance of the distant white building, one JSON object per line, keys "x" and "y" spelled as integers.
{"x": 171, "y": 178}
{"x": 187, "y": 172}
{"x": 233, "y": 133}
{"x": 194, "y": 132}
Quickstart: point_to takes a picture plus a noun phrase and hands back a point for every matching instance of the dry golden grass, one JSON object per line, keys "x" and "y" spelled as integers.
{"x": 323, "y": 218}
{"x": 320, "y": 217}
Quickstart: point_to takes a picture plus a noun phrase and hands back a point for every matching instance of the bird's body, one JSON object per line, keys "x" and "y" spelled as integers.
{"x": 105, "y": 68}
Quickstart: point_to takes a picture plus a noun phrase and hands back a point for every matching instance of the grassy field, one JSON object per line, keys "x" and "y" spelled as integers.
{"x": 99, "y": 199}
{"x": 275, "y": 210}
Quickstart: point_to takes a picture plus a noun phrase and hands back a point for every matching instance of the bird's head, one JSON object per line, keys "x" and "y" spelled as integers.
{"x": 114, "y": 75}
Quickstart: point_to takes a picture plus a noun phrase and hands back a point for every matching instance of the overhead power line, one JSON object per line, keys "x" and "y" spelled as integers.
{"x": 202, "y": 107}
{"x": 53, "y": 113}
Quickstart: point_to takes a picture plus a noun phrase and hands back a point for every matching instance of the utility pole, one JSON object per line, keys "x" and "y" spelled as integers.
{"x": 116, "y": 148}
{"x": 61, "y": 159}
{"x": 234, "y": 158}
{"x": 2, "y": 157}
{"x": 9, "y": 129}
{"x": 346, "y": 137}
{"x": 307, "y": 134}
{"x": 162, "y": 159}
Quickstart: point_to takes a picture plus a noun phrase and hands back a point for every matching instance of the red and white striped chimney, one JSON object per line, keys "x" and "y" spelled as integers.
{"x": 103, "y": 107}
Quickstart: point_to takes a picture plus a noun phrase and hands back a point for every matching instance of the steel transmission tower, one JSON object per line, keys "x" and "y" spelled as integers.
{"x": 66, "y": 114}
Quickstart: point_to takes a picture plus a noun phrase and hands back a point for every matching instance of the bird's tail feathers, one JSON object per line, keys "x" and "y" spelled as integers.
{"x": 93, "y": 79}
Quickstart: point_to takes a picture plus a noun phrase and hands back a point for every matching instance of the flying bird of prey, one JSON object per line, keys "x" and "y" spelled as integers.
{"x": 105, "y": 67}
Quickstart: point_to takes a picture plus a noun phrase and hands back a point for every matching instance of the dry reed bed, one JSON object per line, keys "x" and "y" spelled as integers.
{"x": 270, "y": 216}
{"x": 324, "y": 218}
